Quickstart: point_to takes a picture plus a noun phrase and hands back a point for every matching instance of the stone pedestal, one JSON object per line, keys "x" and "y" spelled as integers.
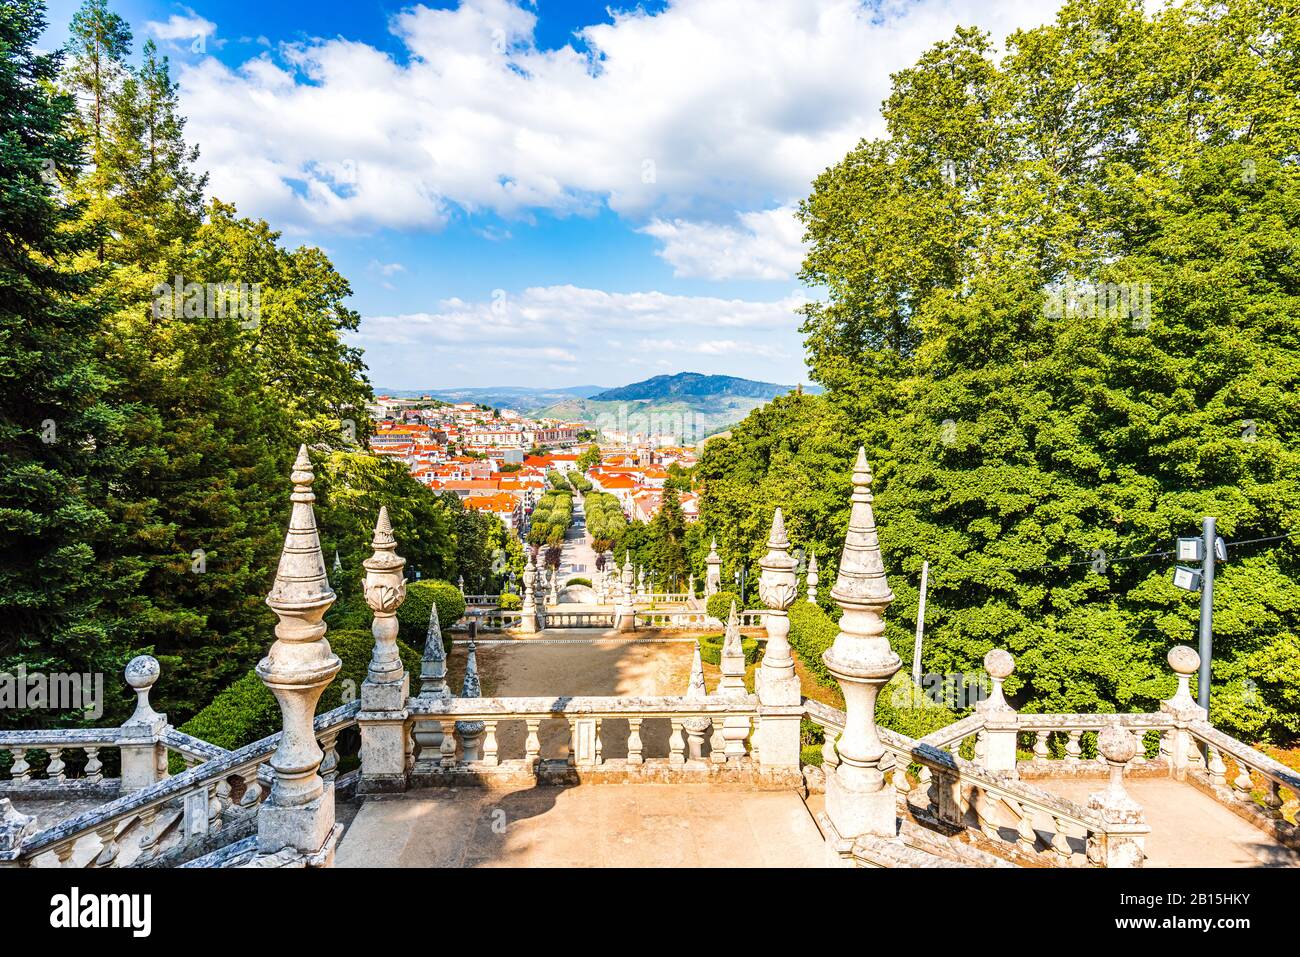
{"x": 1001, "y": 723}
{"x": 1179, "y": 745}
{"x": 144, "y": 758}
{"x": 1123, "y": 843}
{"x": 383, "y": 714}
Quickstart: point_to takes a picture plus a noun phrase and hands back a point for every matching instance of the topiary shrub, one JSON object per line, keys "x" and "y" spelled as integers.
{"x": 246, "y": 711}
{"x": 578, "y": 581}
{"x": 413, "y": 615}
{"x": 719, "y": 605}
{"x": 509, "y": 602}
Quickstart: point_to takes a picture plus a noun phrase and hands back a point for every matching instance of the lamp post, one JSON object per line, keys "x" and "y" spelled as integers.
{"x": 1208, "y": 549}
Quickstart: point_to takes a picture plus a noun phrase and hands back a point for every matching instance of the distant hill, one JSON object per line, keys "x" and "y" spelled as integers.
{"x": 520, "y": 398}
{"x": 688, "y": 405}
{"x": 688, "y": 385}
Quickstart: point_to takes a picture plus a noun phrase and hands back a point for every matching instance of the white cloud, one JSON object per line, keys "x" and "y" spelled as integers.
{"x": 680, "y": 119}
{"x": 767, "y": 245}
{"x": 178, "y": 27}
{"x": 514, "y": 336}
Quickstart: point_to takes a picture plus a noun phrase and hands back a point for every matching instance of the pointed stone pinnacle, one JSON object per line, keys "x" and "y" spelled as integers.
{"x": 812, "y": 563}
{"x": 777, "y": 538}
{"x": 696, "y": 690}
{"x": 861, "y": 579}
{"x": 300, "y": 579}
{"x": 383, "y": 529}
{"x": 470, "y": 687}
{"x": 731, "y": 637}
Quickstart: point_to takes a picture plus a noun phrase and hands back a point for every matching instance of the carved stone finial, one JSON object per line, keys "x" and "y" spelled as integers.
{"x": 296, "y": 669}
{"x": 433, "y": 662}
{"x": 713, "y": 570}
{"x": 695, "y": 690}
{"x": 696, "y": 726}
{"x": 813, "y": 578}
{"x": 778, "y": 587}
{"x": 141, "y": 673}
{"x": 999, "y": 664}
{"x": 1184, "y": 661}
{"x": 862, "y": 661}
{"x": 471, "y": 732}
{"x": 385, "y": 590}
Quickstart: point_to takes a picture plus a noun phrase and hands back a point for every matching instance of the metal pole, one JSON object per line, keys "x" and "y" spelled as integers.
{"x": 1207, "y": 611}
{"x": 920, "y": 625}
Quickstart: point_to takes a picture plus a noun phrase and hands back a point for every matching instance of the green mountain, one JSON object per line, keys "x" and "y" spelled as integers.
{"x": 689, "y": 406}
{"x": 693, "y": 385}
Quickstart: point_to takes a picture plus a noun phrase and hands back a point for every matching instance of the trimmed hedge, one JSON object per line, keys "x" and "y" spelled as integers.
{"x": 901, "y": 707}
{"x": 719, "y": 605}
{"x": 578, "y": 581}
{"x": 507, "y": 602}
{"x": 246, "y": 711}
{"x": 413, "y": 615}
{"x": 711, "y": 649}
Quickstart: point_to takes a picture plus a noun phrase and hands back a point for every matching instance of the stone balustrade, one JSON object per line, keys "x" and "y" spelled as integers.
{"x": 201, "y": 800}
{"x": 1253, "y": 789}
{"x": 606, "y": 736}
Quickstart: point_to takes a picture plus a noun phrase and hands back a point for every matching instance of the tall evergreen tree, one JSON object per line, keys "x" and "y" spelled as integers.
{"x": 52, "y": 412}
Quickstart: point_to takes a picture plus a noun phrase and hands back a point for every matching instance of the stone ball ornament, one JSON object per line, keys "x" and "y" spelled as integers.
{"x": 999, "y": 663}
{"x": 1116, "y": 744}
{"x": 1183, "y": 659}
{"x": 142, "y": 671}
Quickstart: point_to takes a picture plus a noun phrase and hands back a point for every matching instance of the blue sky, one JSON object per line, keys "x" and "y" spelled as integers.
{"x": 549, "y": 193}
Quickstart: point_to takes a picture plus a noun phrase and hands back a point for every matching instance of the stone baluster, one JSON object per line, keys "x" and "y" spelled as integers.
{"x": 20, "y": 770}
{"x": 300, "y": 812}
{"x": 383, "y": 714}
{"x": 148, "y": 836}
{"x": 697, "y": 726}
{"x": 533, "y": 743}
{"x": 1273, "y": 797}
{"x": 329, "y": 765}
{"x": 899, "y": 779}
{"x": 634, "y": 741}
{"x": 56, "y": 769}
{"x": 63, "y": 853}
{"x": 1041, "y": 751}
{"x": 812, "y": 578}
{"x": 490, "y": 758}
{"x": 1001, "y": 723}
{"x": 830, "y": 757}
{"x": 471, "y": 732}
{"x": 1027, "y": 837}
{"x": 1073, "y": 749}
{"x": 1060, "y": 842}
{"x": 676, "y": 746}
{"x": 1184, "y": 712}
{"x": 1122, "y": 843}
{"x": 94, "y": 770}
{"x": 214, "y": 810}
{"x": 1241, "y": 784}
{"x": 108, "y": 849}
{"x": 862, "y": 662}
{"x": 1217, "y": 768}
{"x": 140, "y": 738}
{"x": 779, "y": 695}
{"x": 713, "y": 571}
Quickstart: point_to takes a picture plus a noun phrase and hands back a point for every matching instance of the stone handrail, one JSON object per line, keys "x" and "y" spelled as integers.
{"x": 60, "y": 838}
{"x": 996, "y": 785}
{"x": 54, "y": 743}
{"x": 1243, "y": 754}
{"x": 190, "y": 747}
{"x": 647, "y": 706}
{"x": 482, "y": 599}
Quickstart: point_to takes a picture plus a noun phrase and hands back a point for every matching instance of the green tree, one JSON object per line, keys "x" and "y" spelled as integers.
{"x": 52, "y": 407}
{"x": 1061, "y": 315}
